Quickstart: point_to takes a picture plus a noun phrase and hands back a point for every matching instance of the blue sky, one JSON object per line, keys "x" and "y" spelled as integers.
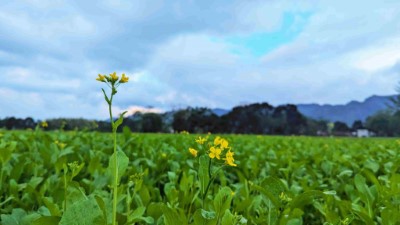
{"x": 193, "y": 53}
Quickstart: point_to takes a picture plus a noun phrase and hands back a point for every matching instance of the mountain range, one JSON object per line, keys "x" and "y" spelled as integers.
{"x": 347, "y": 113}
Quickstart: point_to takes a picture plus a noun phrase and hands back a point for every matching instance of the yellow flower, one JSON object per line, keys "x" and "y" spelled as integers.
{"x": 101, "y": 78}
{"x": 193, "y": 152}
{"x": 229, "y": 158}
{"x": 44, "y": 124}
{"x": 114, "y": 76}
{"x": 217, "y": 140}
{"x": 215, "y": 153}
{"x": 124, "y": 79}
{"x": 200, "y": 140}
{"x": 224, "y": 143}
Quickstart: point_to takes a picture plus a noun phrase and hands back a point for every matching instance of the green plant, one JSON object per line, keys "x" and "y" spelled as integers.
{"x": 113, "y": 82}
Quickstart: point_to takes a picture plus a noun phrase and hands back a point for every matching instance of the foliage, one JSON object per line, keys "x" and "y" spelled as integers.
{"x": 384, "y": 123}
{"x": 277, "y": 180}
{"x": 249, "y": 119}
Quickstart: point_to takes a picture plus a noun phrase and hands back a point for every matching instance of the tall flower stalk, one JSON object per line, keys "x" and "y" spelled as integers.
{"x": 216, "y": 148}
{"x": 113, "y": 81}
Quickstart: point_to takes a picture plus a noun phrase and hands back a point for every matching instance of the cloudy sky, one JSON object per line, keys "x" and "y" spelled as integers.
{"x": 193, "y": 53}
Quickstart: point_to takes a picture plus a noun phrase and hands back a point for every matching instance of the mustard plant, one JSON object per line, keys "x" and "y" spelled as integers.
{"x": 113, "y": 81}
{"x": 213, "y": 149}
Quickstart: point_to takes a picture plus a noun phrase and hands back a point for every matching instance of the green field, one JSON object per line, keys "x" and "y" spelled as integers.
{"x": 64, "y": 178}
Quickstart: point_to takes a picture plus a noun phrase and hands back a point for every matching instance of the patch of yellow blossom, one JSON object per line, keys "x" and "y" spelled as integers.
{"x": 44, "y": 124}
{"x": 101, "y": 78}
{"x": 216, "y": 147}
{"x": 60, "y": 144}
{"x": 201, "y": 140}
{"x": 229, "y": 158}
{"x": 215, "y": 152}
{"x": 193, "y": 152}
{"x": 112, "y": 78}
{"x": 124, "y": 79}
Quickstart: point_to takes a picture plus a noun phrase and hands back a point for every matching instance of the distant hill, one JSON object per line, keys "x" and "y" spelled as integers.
{"x": 347, "y": 113}
{"x": 220, "y": 112}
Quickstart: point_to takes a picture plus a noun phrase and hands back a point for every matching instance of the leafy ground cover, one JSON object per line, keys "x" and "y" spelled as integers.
{"x": 66, "y": 178}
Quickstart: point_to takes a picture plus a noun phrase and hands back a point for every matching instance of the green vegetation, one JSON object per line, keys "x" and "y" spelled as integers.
{"x": 67, "y": 178}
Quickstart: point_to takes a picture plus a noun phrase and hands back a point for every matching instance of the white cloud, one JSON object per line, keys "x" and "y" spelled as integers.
{"x": 376, "y": 57}
{"x": 51, "y": 52}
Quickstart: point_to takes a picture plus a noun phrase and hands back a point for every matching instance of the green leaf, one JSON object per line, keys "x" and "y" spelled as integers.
{"x": 222, "y": 200}
{"x": 53, "y": 208}
{"x": 209, "y": 215}
{"x": 82, "y": 213}
{"x": 47, "y": 220}
{"x": 365, "y": 194}
{"x": 137, "y": 216}
{"x": 306, "y": 198}
{"x": 13, "y": 219}
{"x": 228, "y": 218}
{"x": 203, "y": 217}
{"x": 203, "y": 173}
{"x": 105, "y": 96}
{"x": 122, "y": 162}
{"x": 102, "y": 205}
{"x": 272, "y": 187}
{"x": 117, "y": 123}
{"x": 76, "y": 170}
{"x": 390, "y": 216}
{"x": 173, "y": 217}
{"x": 6, "y": 149}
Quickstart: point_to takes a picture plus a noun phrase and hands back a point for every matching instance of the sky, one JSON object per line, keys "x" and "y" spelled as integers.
{"x": 216, "y": 54}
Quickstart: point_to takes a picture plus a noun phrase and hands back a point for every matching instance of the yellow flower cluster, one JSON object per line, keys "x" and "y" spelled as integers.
{"x": 60, "y": 144}
{"x": 112, "y": 78}
{"x": 44, "y": 124}
{"x": 193, "y": 152}
{"x": 216, "y": 148}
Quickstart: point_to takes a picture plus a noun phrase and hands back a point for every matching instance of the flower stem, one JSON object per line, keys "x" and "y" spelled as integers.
{"x": 115, "y": 172}
{"x": 65, "y": 190}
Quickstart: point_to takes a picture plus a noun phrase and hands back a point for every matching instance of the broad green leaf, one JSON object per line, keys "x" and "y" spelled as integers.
{"x": 390, "y": 216}
{"x": 203, "y": 217}
{"x": 305, "y": 198}
{"x": 6, "y": 150}
{"x": 203, "y": 173}
{"x": 122, "y": 162}
{"x": 137, "y": 216}
{"x": 53, "y": 208}
{"x": 228, "y": 218}
{"x": 272, "y": 194}
{"x": 209, "y": 215}
{"x": 222, "y": 201}
{"x": 172, "y": 216}
{"x": 13, "y": 219}
{"x": 102, "y": 206}
{"x": 365, "y": 193}
{"x": 82, "y": 213}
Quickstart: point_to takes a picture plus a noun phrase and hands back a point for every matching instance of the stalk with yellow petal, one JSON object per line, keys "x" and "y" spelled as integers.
{"x": 113, "y": 81}
{"x": 215, "y": 148}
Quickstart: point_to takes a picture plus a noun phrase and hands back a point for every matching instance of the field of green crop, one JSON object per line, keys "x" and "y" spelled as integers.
{"x": 65, "y": 178}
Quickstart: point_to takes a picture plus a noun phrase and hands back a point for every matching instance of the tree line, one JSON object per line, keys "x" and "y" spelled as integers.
{"x": 258, "y": 118}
